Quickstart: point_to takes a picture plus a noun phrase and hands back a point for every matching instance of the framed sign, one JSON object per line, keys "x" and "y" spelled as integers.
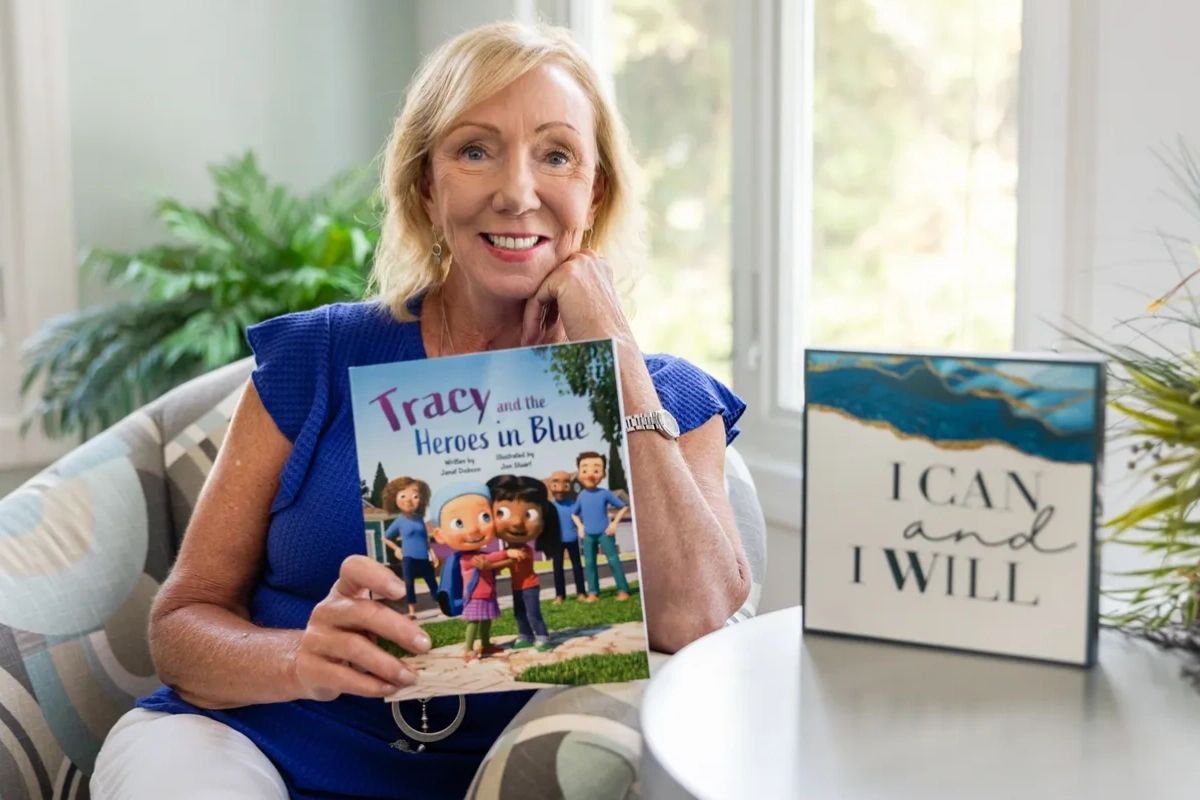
{"x": 951, "y": 501}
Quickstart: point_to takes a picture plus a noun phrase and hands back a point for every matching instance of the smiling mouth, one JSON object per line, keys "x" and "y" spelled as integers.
{"x": 515, "y": 242}
{"x": 476, "y": 540}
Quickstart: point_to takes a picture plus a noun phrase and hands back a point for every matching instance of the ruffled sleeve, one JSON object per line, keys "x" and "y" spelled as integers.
{"x": 692, "y": 395}
{"x": 291, "y": 375}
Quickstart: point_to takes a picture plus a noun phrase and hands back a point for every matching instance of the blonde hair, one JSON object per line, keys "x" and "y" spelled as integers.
{"x": 462, "y": 72}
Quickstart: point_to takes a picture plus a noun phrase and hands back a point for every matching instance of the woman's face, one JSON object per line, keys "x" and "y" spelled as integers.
{"x": 512, "y": 184}
{"x": 408, "y": 498}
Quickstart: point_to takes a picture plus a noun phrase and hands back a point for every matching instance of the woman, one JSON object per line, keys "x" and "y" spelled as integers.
{"x": 408, "y": 536}
{"x": 506, "y": 176}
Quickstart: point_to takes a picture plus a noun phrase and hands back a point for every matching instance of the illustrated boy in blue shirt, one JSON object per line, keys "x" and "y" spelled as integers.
{"x": 590, "y": 515}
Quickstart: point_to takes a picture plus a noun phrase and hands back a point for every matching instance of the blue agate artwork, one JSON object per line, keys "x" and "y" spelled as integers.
{"x": 1040, "y": 408}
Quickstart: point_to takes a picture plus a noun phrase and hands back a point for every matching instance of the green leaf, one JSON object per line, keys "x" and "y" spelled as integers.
{"x": 1168, "y": 503}
{"x": 257, "y": 252}
{"x": 192, "y": 227}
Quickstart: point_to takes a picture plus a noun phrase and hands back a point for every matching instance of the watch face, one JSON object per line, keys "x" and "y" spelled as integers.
{"x": 668, "y": 423}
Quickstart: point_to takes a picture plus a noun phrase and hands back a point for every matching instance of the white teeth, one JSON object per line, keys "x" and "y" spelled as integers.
{"x": 513, "y": 243}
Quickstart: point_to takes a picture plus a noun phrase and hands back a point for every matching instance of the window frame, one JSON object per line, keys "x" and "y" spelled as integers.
{"x": 37, "y": 222}
{"x": 1054, "y": 160}
{"x": 772, "y": 212}
{"x": 765, "y": 217}
{"x": 771, "y": 198}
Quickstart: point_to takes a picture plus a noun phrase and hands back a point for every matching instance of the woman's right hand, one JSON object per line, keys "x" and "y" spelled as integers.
{"x": 337, "y": 653}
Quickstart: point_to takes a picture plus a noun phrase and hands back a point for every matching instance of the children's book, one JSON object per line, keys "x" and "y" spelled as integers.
{"x": 951, "y": 500}
{"x": 496, "y": 486}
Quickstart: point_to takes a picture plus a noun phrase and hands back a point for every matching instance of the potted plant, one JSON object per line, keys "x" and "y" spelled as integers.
{"x": 256, "y": 253}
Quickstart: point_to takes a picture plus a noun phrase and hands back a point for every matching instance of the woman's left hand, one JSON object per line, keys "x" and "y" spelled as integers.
{"x": 576, "y": 301}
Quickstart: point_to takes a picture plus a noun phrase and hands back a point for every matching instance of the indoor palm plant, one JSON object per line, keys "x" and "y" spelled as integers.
{"x": 256, "y": 253}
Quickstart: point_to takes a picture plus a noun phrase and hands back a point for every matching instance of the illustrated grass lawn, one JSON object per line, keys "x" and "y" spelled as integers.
{"x": 601, "y": 668}
{"x": 569, "y": 615}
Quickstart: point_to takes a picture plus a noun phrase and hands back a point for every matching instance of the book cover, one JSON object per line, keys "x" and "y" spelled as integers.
{"x": 951, "y": 501}
{"x": 482, "y": 476}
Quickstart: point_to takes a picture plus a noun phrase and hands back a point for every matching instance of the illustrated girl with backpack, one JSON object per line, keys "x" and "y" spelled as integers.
{"x": 461, "y": 515}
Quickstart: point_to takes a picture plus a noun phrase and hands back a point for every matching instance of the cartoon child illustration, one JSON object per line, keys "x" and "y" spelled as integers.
{"x": 590, "y": 514}
{"x": 408, "y": 536}
{"x": 462, "y": 520}
{"x": 559, "y": 485}
{"x": 524, "y": 517}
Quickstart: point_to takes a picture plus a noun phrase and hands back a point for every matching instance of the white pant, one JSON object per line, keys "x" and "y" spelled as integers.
{"x": 149, "y": 754}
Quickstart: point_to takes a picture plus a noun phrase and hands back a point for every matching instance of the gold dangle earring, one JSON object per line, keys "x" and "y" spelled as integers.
{"x": 436, "y": 250}
{"x": 440, "y": 257}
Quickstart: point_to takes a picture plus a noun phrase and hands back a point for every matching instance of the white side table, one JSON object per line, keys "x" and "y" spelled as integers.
{"x": 752, "y": 711}
{"x": 721, "y": 718}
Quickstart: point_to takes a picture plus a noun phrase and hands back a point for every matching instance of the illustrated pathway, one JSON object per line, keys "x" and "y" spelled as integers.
{"x": 443, "y": 671}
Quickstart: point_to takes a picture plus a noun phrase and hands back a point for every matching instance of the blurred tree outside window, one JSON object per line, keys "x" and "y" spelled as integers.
{"x": 914, "y": 172}
{"x": 672, "y": 77}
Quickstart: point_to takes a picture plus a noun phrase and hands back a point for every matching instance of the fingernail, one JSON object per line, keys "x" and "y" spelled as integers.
{"x": 395, "y": 588}
{"x": 422, "y": 642}
{"x": 407, "y": 676}
{"x": 389, "y": 688}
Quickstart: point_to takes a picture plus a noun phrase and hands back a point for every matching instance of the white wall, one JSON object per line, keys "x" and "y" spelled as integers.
{"x": 437, "y": 20}
{"x": 161, "y": 88}
{"x": 1146, "y": 63}
{"x": 1135, "y": 65}
{"x": 781, "y": 588}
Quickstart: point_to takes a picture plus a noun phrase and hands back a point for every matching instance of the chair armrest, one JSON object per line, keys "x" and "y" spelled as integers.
{"x": 82, "y": 551}
{"x": 752, "y": 527}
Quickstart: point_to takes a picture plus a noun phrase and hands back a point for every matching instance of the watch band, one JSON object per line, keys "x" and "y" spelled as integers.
{"x": 640, "y": 422}
{"x": 659, "y": 420}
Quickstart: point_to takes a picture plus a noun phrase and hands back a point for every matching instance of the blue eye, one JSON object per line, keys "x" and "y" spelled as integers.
{"x": 471, "y": 151}
{"x": 558, "y": 158}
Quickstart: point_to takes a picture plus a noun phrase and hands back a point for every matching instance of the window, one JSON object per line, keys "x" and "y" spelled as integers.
{"x": 912, "y": 164}
{"x": 671, "y": 70}
{"x": 914, "y": 145}
{"x": 874, "y": 149}
{"x": 901, "y": 115}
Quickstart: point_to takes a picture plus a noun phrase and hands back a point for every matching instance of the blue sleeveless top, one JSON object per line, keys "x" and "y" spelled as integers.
{"x": 340, "y": 748}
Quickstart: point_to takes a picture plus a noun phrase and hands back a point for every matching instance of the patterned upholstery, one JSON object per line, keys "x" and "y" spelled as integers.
{"x": 84, "y": 546}
{"x": 581, "y": 743}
